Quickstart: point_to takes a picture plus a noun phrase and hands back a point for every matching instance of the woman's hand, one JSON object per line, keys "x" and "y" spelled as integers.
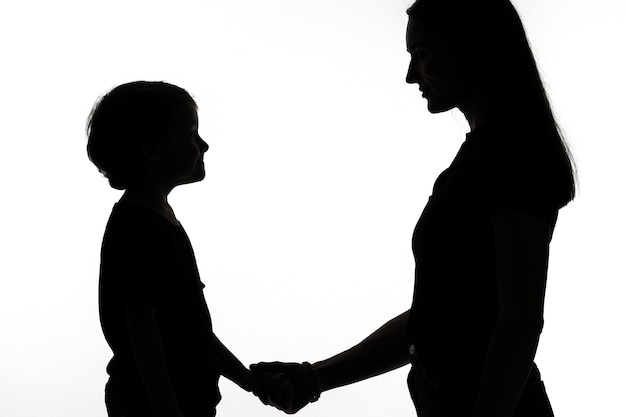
{"x": 286, "y": 386}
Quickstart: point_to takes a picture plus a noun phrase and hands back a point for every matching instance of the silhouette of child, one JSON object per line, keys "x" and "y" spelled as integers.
{"x": 143, "y": 136}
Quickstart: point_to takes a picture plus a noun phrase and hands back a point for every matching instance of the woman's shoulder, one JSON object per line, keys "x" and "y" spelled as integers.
{"x": 524, "y": 171}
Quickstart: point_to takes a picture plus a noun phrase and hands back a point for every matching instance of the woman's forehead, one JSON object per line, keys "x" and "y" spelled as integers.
{"x": 417, "y": 34}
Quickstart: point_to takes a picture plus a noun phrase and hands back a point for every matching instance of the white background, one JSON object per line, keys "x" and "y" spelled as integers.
{"x": 321, "y": 160}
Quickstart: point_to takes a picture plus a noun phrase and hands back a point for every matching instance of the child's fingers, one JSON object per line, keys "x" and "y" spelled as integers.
{"x": 282, "y": 394}
{"x": 263, "y": 383}
{"x": 268, "y": 386}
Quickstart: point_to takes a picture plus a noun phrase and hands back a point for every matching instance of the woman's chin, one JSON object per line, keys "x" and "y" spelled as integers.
{"x": 434, "y": 107}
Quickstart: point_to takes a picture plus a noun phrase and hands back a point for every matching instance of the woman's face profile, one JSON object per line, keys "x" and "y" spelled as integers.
{"x": 434, "y": 68}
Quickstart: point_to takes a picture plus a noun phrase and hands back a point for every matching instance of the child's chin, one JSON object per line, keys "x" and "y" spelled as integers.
{"x": 197, "y": 178}
{"x": 200, "y": 172}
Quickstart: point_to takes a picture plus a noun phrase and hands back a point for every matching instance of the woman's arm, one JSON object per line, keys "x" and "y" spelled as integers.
{"x": 291, "y": 386}
{"x": 522, "y": 247}
{"x": 384, "y": 350}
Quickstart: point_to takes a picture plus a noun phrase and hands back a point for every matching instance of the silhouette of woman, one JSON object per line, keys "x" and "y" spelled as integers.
{"x": 481, "y": 244}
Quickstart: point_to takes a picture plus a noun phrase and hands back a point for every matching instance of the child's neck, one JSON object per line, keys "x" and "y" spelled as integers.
{"x": 152, "y": 200}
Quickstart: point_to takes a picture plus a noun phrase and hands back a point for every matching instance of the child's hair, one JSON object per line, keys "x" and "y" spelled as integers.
{"x": 130, "y": 118}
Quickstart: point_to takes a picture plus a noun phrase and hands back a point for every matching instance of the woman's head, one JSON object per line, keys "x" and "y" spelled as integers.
{"x": 489, "y": 48}
{"x": 476, "y": 50}
{"x": 437, "y": 69}
{"x": 131, "y": 121}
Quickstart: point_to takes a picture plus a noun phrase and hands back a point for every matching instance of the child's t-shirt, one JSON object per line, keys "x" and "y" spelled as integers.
{"x": 148, "y": 261}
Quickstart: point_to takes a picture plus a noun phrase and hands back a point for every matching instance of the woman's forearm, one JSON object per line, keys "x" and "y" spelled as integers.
{"x": 384, "y": 350}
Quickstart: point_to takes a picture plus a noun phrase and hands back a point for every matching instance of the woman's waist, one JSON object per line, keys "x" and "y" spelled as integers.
{"x": 449, "y": 364}
{"x": 444, "y": 366}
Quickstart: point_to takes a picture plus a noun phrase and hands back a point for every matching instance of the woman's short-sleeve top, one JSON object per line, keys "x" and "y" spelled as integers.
{"x": 454, "y": 302}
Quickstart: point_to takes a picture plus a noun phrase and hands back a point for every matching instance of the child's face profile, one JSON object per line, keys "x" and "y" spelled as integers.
{"x": 181, "y": 154}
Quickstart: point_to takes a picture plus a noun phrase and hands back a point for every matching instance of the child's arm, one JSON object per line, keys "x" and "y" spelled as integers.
{"x": 232, "y": 368}
{"x": 146, "y": 343}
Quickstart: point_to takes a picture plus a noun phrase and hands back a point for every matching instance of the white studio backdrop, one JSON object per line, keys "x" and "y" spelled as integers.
{"x": 321, "y": 160}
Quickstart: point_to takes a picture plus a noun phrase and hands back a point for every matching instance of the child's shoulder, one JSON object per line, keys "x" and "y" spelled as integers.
{"x": 131, "y": 213}
{"x": 134, "y": 222}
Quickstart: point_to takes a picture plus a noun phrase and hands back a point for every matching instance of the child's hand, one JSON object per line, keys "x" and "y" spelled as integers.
{"x": 268, "y": 387}
{"x": 175, "y": 412}
{"x": 286, "y": 386}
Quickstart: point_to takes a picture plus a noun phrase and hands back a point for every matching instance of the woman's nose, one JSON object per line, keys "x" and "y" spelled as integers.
{"x": 413, "y": 76}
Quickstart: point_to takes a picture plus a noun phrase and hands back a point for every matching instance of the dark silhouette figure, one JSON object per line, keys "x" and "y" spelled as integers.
{"x": 143, "y": 136}
{"x": 481, "y": 244}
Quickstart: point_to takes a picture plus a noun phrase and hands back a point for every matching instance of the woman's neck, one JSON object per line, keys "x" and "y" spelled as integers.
{"x": 476, "y": 111}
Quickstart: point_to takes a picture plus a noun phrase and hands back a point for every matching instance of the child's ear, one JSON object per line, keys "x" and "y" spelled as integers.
{"x": 150, "y": 153}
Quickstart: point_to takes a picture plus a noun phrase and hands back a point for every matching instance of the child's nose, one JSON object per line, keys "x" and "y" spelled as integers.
{"x": 203, "y": 145}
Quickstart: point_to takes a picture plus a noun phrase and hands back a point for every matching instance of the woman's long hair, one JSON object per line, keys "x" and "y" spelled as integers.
{"x": 489, "y": 38}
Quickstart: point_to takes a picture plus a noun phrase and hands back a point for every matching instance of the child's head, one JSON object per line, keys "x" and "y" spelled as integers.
{"x": 134, "y": 120}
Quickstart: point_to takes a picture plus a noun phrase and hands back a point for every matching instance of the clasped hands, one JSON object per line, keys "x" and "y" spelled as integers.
{"x": 286, "y": 386}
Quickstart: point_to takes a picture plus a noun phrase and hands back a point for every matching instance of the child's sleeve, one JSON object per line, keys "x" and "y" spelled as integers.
{"x": 141, "y": 263}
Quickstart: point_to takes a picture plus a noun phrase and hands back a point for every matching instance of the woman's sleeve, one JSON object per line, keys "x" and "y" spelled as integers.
{"x": 522, "y": 179}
